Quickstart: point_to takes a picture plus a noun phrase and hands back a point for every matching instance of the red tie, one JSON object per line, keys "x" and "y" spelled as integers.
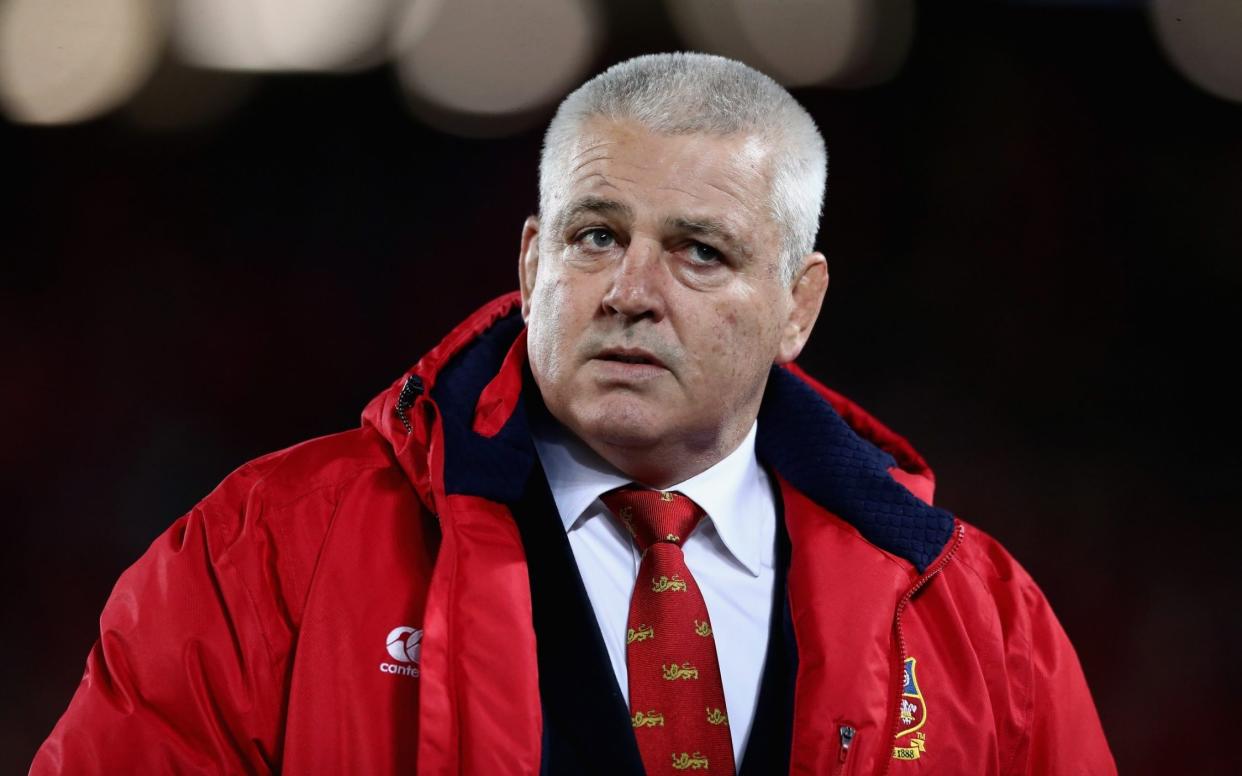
{"x": 677, "y": 704}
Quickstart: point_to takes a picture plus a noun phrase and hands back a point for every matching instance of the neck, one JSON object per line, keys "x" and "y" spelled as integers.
{"x": 665, "y": 464}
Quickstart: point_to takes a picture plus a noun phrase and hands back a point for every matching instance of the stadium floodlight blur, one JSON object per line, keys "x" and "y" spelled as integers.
{"x": 63, "y": 61}
{"x": 470, "y": 67}
{"x": 840, "y": 43}
{"x": 1203, "y": 40}
{"x": 487, "y": 67}
{"x": 281, "y": 35}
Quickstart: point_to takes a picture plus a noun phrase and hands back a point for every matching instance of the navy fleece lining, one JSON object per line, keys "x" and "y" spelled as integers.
{"x": 800, "y": 436}
{"x": 495, "y": 468}
{"x": 804, "y": 439}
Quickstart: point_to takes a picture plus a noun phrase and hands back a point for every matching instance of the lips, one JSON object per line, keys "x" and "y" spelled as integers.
{"x": 629, "y": 356}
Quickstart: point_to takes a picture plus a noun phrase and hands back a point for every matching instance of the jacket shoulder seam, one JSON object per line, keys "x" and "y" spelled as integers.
{"x": 263, "y": 468}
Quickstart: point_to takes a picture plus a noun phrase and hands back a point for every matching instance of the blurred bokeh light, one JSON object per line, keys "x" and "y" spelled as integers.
{"x": 842, "y": 43}
{"x": 1203, "y": 40}
{"x": 63, "y": 61}
{"x": 281, "y": 35}
{"x": 481, "y": 67}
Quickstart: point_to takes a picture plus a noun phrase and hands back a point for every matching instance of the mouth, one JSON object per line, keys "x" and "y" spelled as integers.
{"x": 629, "y": 356}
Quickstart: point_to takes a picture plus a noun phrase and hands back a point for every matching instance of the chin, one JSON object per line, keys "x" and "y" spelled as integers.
{"x": 618, "y": 422}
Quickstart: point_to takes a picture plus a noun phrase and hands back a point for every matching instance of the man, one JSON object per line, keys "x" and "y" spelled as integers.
{"x": 605, "y": 526}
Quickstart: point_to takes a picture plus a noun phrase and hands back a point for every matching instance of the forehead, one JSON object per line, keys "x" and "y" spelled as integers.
{"x": 669, "y": 176}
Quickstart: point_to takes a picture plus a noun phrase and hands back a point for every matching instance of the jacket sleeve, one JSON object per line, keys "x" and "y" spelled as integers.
{"x": 183, "y": 677}
{"x": 1063, "y": 731}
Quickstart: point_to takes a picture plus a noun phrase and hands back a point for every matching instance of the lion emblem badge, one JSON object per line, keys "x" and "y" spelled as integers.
{"x": 911, "y": 715}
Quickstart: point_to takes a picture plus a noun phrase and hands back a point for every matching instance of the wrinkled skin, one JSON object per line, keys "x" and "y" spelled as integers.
{"x": 654, "y": 299}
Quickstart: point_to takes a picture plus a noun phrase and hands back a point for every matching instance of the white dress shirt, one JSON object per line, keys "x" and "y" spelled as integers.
{"x": 731, "y": 555}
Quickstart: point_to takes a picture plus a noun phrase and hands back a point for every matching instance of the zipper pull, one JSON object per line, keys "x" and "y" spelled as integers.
{"x": 412, "y": 389}
{"x": 847, "y": 738}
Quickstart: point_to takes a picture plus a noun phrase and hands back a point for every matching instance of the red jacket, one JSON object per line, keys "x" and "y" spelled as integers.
{"x": 276, "y": 627}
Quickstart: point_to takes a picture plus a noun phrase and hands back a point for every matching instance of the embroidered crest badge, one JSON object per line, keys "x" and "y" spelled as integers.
{"x": 911, "y": 716}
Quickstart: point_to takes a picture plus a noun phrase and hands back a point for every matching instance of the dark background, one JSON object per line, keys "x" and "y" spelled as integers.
{"x": 1033, "y": 237}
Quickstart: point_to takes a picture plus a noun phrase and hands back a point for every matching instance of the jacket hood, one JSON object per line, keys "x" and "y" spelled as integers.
{"x": 457, "y": 425}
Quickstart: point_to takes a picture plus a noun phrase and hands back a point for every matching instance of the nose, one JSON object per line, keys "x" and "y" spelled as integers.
{"x": 636, "y": 288}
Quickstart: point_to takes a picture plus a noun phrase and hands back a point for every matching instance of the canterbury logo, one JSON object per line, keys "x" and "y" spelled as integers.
{"x": 404, "y": 645}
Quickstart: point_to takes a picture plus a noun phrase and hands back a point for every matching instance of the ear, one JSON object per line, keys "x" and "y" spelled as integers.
{"x": 806, "y": 298}
{"x": 528, "y": 262}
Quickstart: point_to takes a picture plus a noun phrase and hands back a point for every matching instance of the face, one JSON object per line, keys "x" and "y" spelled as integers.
{"x": 653, "y": 294}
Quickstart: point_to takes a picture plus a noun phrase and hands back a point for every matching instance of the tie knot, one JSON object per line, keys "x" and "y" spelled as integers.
{"x": 654, "y": 516}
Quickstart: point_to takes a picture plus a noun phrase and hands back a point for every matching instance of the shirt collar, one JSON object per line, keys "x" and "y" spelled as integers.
{"x": 730, "y": 492}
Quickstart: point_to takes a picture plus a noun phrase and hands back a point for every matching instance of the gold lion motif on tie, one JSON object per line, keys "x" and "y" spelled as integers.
{"x": 627, "y": 516}
{"x": 717, "y": 717}
{"x": 643, "y": 633}
{"x": 704, "y": 629}
{"x": 674, "y": 538}
{"x": 650, "y": 719}
{"x": 687, "y": 761}
{"x": 684, "y": 671}
{"x": 674, "y": 583}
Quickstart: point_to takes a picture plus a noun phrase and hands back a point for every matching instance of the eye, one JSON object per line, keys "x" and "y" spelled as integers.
{"x": 704, "y": 254}
{"x": 598, "y": 237}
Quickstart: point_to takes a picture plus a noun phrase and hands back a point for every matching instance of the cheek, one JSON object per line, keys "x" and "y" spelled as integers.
{"x": 742, "y": 344}
{"x": 739, "y": 332}
{"x": 551, "y": 325}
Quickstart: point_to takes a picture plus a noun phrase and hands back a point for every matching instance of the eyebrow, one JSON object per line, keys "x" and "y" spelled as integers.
{"x": 597, "y": 205}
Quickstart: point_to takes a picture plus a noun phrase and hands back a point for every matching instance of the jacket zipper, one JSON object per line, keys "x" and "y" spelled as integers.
{"x": 901, "y": 639}
{"x": 848, "y": 733}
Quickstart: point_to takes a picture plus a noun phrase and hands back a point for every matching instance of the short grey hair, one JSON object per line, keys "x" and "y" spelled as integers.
{"x": 684, "y": 93}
